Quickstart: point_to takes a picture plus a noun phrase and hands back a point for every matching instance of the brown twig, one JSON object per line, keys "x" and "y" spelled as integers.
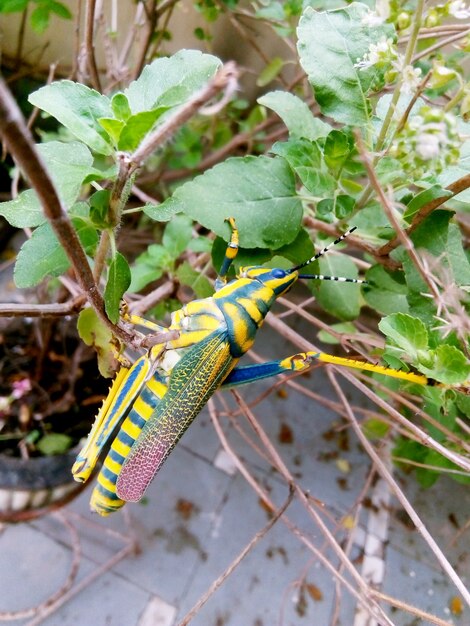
{"x": 421, "y": 87}
{"x": 152, "y": 19}
{"x": 19, "y": 47}
{"x": 399, "y": 494}
{"x": 364, "y": 596}
{"x": 440, "y": 44}
{"x": 307, "y": 502}
{"x": 42, "y": 310}
{"x": 356, "y": 242}
{"x": 90, "y": 45}
{"x": 413, "y": 610}
{"x": 455, "y": 188}
{"x": 389, "y": 211}
{"x": 236, "y": 562}
{"x": 76, "y": 45}
{"x": 21, "y": 146}
{"x": 128, "y": 164}
{"x": 224, "y": 78}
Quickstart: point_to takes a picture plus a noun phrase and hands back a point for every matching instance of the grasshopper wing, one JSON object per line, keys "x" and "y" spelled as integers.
{"x": 193, "y": 381}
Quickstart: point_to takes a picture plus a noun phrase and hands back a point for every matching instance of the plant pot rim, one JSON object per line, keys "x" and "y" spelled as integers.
{"x": 41, "y": 472}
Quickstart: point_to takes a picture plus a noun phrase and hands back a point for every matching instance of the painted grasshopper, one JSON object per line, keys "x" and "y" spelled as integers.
{"x": 152, "y": 403}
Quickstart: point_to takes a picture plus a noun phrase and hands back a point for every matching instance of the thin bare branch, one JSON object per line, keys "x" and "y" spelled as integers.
{"x": 42, "y": 310}
{"x": 455, "y": 188}
{"x": 90, "y": 44}
{"x": 236, "y": 562}
{"x": 389, "y": 211}
{"x": 224, "y": 79}
{"x": 399, "y": 494}
{"x": 440, "y": 44}
{"x": 21, "y": 146}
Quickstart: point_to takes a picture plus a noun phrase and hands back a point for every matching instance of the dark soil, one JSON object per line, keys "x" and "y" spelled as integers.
{"x": 66, "y": 387}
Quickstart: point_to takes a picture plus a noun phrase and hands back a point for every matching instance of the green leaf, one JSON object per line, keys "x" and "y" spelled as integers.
{"x": 119, "y": 278}
{"x": 295, "y": 114}
{"x": 462, "y": 400}
{"x": 385, "y": 291}
{"x": 298, "y": 250}
{"x": 99, "y": 208}
{"x": 78, "y": 108}
{"x": 450, "y": 366}
{"x": 305, "y": 158}
{"x": 422, "y": 198}
{"x": 197, "y": 281}
{"x": 177, "y": 235}
{"x": 343, "y": 206}
{"x": 149, "y": 266}
{"x": 163, "y": 212}
{"x": 407, "y": 332}
{"x": 169, "y": 81}
{"x": 458, "y": 260}
{"x": 42, "y": 255}
{"x": 442, "y": 240}
{"x": 59, "y": 9}
{"x": 342, "y": 327}
{"x": 13, "y": 6}
{"x": 68, "y": 165}
{"x": 259, "y": 192}
{"x": 136, "y": 128}
{"x": 375, "y": 428}
{"x": 112, "y": 127}
{"x": 40, "y": 18}
{"x": 337, "y": 149}
{"x": 330, "y": 43}
{"x": 452, "y": 173}
{"x": 142, "y": 275}
{"x": 120, "y": 106}
{"x": 54, "y": 443}
{"x": 24, "y": 211}
{"x": 270, "y": 71}
{"x": 94, "y": 332}
{"x": 340, "y": 299}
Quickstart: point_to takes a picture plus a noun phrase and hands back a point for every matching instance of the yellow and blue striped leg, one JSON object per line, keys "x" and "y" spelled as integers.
{"x": 125, "y": 388}
{"x": 230, "y": 254}
{"x": 300, "y": 362}
{"x": 104, "y": 499}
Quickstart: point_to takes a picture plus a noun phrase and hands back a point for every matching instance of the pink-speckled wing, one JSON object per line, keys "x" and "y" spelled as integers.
{"x": 193, "y": 381}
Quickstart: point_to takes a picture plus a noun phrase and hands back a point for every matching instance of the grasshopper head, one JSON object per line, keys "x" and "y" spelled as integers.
{"x": 276, "y": 279}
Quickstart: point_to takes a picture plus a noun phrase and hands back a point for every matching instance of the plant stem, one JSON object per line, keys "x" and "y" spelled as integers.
{"x": 21, "y": 146}
{"x": 395, "y": 97}
{"x": 90, "y": 46}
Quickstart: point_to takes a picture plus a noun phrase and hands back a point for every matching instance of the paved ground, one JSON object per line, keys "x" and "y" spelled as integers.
{"x": 201, "y": 513}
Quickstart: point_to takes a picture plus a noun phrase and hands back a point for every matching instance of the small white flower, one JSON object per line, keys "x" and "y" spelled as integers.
{"x": 428, "y": 146}
{"x": 372, "y": 19}
{"x": 379, "y": 16}
{"x": 459, "y": 10}
{"x": 383, "y": 52}
{"x": 411, "y": 77}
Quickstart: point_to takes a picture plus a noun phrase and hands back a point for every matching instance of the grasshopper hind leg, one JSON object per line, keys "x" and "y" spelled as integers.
{"x": 104, "y": 499}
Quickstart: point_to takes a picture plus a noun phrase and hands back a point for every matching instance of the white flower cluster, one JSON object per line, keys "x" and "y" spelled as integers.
{"x": 380, "y": 54}
{"x": 384, "y": 55}
{"x": 459, "y": 10}
{"x": 428, "y": 142}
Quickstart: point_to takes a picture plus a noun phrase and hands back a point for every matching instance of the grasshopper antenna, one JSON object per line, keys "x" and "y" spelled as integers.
{"x": 324, "y": 251}
{"x": 340, "y": 279}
